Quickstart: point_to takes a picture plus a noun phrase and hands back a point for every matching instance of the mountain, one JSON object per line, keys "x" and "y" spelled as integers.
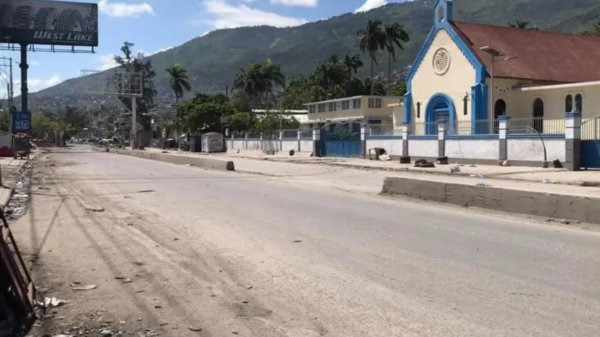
{"x": 214, "y": 59}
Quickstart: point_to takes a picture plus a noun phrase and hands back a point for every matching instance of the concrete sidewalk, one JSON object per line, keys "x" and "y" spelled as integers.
{"x": 516, "y": 173}
{"x": 10, "y": 169}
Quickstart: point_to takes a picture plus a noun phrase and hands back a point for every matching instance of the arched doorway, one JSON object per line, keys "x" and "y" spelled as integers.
{"x": 440, "y": 107}
{"x": 538, "y": 115}
{"x": 499, "y": 110}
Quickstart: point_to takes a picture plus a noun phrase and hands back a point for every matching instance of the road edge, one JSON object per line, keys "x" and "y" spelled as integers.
{"x": 558, "y": 206}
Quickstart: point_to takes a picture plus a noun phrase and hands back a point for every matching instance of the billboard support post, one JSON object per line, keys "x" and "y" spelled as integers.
{"x": 24, "y": 87}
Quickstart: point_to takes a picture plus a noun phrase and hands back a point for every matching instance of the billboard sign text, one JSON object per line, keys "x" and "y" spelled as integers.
{"x": 21, "y": 122}
{"x": 49, "y": 22}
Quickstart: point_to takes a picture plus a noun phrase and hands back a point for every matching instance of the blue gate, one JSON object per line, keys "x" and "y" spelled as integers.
{"x": 341, "y": 140}
{"x": 590, "y": 154}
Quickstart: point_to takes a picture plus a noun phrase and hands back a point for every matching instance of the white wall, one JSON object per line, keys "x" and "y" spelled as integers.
{"x": 473, "y": 148}
{"x": 423, "y": 148}
{"x": 306, "y": 146}
{"x": 253, "y": 144}
{"x": 531, "y": 149}
{"x": 391, "y": 146}
{"x": 288, "y": 145}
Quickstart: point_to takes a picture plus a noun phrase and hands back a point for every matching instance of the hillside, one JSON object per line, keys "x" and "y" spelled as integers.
{"x": 213, "y": 60}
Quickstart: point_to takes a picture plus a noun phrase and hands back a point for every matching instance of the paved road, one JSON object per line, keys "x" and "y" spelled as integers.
{"x": 308, "y": 259}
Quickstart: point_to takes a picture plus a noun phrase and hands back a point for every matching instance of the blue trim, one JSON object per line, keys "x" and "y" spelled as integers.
{"x": 572, "y": 114}
{"x": 536, "y": 136}
{"x": 504, "y": 118}
{"x": 479, "y": 106}
{"x": 383, "y": 137}
{"x": 407, "y": 107}
{"x": 431, "y": 112}
{"x": 432, "y": 137}
{"x": 471, "y": 137}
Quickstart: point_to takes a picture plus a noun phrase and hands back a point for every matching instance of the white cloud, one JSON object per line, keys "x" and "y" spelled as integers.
{"x": 300, "y": 3}
{"x": 35, "y": 84}
{"x": 161, "y": 50}
{"x": 230, "y": 16}
{"x": 123, "y": 10}
{"x": 107, "y": 62}
{"x": 371, "y": 4}
{"x": 34, "y": 63}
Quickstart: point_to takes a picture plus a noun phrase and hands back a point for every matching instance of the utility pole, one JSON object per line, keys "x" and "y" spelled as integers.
{"x": 24, "y": 88}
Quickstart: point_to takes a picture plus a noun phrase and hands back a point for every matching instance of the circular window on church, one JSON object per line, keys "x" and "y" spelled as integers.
{"x": 441, "y": 61}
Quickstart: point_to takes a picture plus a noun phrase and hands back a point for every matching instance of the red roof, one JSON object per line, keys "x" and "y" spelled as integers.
{"x": 542, "y": 55}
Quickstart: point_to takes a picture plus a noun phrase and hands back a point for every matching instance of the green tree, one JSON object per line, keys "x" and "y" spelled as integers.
{"x": 241, "y": 121}
{"x": 203, "y": 112}
{"x": 5, "y": 121}
{"x": 522, "y": 24}
{"x": 372, "y": 40}
{"x": 43, "y": 127}
{"x": 352, "y": 64}
{"x": 297, "y": 93}
{"x": 273, "y": 121}
{"x": 179, "y": 81}
{"x": 398, "y": 89}
{"x": 394, "y": 36}
{"x": 259, "y": 83}
{"x": 594, "y": 30}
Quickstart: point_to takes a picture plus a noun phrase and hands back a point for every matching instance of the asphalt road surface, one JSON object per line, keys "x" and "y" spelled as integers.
{"x": 252, "y": 255}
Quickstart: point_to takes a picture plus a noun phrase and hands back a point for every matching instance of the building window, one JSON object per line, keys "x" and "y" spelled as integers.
{"x": 321, "y": 107}
{"x": 356, "y": 104}
{"x": 418, "y": 109}
{"x": 332, "y": 107}
{"x": 579, "y": 103}
{"x": 345, "y": 105}
{"x": 311, "y": 109}
{"x": 569, "y": 103}
{"x": 466, "y": 105}
{"x": 375, "y": 103}
{"x": 538, "y": 115}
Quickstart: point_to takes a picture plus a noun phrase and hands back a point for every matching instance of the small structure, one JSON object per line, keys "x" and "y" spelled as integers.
{"x": 213, "y": 142}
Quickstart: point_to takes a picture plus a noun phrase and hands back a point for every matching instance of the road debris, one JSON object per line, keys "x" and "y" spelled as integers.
{"x": 105, "y": 332}
{"x": 297, "y": 241}
{"x": 53, "y": 302}
{"x": 146, "y": 191}
{"x": 87, "y": 287}
{"x": 563, "y": 221}
{"x": 195, "y": 329}
{"x": 95, "y": 209}
{"x": 454, "y": 169}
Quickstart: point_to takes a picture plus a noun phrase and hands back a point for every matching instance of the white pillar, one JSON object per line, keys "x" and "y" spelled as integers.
{"x": 573, "y": 141}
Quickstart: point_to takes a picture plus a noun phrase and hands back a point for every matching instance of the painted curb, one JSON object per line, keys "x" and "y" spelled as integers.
{"x": 558, "y": 206}
{"x": 211, "y": 164}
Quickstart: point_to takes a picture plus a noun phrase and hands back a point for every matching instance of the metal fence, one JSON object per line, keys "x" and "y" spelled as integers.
{"x": 590, "y": 129}
{"x": 536, "y": 125}
{"x": 306, "y": 134}
{"x": 291, "y": 133}
{"x": 384, "y": 130}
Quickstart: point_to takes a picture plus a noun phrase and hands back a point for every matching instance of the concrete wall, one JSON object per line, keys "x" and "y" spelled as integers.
{"x": 531, "y": 149}
{"x": 473, "y": 148}
{"x": 253, "y": 144}
{"x": 423, "y": 148}
{"x": 392, "y": 146}
{"x": 457, "y": 81}
{"x": 288, "y": 145}
{"x": 306, "y": 145}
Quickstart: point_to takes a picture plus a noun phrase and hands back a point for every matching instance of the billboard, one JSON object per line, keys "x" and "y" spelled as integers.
{"x": 49, "y": 22}
{"x": 21, "y": 122}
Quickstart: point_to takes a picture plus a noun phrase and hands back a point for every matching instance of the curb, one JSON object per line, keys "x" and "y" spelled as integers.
{"x": 207, "y": 163}
{"x": 559, "y": 206}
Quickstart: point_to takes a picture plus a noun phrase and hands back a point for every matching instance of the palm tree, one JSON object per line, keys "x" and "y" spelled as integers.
{"x": 251, "y": 82}
{"x": 179, "y": 82}
{"x": 594, "y": 30}
{"x": 394, "y": 36}
{"x": 522, "y": 24}
{"x": 372, "y": 40}
{"x": 352, "y": 64}
{"x": 273, "y": 76}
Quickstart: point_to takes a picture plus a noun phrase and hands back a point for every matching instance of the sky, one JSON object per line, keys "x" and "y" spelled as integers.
{"x": 157, "y": 25}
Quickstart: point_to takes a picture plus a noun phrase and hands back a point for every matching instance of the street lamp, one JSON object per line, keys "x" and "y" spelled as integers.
{"x": 494, "y": 54}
